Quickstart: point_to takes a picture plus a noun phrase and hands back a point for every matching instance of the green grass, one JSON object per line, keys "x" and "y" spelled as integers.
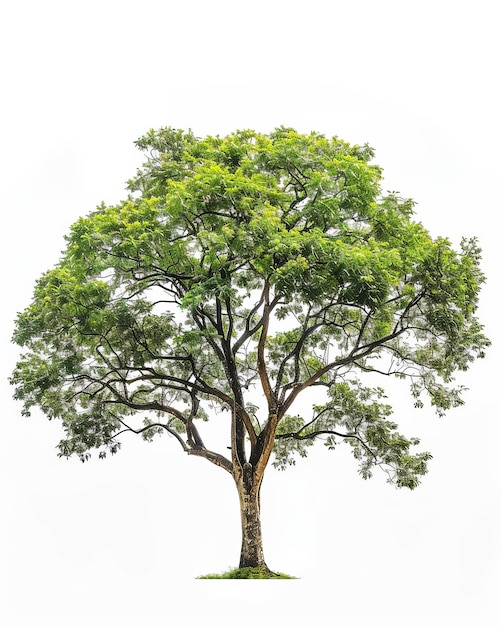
{"x": 248, "y": 572}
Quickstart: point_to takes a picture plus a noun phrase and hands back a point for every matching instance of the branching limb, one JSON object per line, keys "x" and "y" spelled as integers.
{"x": 194, "y": 439}
{"x": 140, "y": 431}
{"x": 318, "y": 433}
{"x": 213, "y": 457}
{"x": 261, "y": 362}
{"x": 356, "y": 354}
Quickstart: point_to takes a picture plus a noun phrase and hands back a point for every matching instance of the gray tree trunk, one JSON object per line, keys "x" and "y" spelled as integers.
{"x": 251, "y": 554}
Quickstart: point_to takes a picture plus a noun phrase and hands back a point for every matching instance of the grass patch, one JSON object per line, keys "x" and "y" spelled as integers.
{"x": 248, "y": 572}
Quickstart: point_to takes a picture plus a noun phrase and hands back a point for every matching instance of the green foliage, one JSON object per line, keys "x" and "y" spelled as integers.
{"x": 355, "y": 415}
{"x": 245, "y": 268}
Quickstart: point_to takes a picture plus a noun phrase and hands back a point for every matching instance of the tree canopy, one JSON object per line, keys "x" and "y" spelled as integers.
{"x": 240, "y": 272}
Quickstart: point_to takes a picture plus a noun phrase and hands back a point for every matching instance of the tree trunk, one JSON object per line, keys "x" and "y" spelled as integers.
{"x": 251, "y": 554}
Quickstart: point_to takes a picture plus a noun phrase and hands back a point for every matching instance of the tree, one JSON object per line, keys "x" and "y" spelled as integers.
{"x": 241, "y": 272}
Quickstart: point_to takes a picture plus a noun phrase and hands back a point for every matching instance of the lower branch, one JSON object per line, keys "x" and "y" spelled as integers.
{"x": 139, "y": 431}
{"x": 213, "y": 457}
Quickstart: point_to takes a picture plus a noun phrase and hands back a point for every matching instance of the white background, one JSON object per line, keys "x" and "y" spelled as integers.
{"x": 121, "y": 541}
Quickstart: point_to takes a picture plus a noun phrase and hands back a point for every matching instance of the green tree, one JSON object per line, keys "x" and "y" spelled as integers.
{"x": 241, "y": 272}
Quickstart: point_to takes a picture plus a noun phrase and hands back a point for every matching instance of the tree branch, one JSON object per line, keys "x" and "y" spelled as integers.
{"x": 261, "y": 362}
{"x": 317, "y": 433}
{"x": 139, "y": 431}
{"x": 351, "y": 358}
{"x": 213, "y": 457}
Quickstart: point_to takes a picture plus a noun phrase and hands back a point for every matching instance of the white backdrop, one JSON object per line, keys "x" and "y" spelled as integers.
{"x": 121, "y": 541}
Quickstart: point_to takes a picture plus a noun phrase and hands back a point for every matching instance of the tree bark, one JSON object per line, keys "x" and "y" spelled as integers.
{"x": 251, "y": 554}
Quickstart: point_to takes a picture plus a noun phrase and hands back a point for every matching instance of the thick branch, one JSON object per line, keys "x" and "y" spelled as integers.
{"x": 261, "y": 362}
{"x": 194, "y": 439}
{"x": 267, "y": 439}
{"x": 213, "y": 457}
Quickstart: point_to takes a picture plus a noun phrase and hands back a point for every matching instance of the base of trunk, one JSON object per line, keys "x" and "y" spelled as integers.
{"x": 253, "y": 564}
{"x": 249, "y": 572}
